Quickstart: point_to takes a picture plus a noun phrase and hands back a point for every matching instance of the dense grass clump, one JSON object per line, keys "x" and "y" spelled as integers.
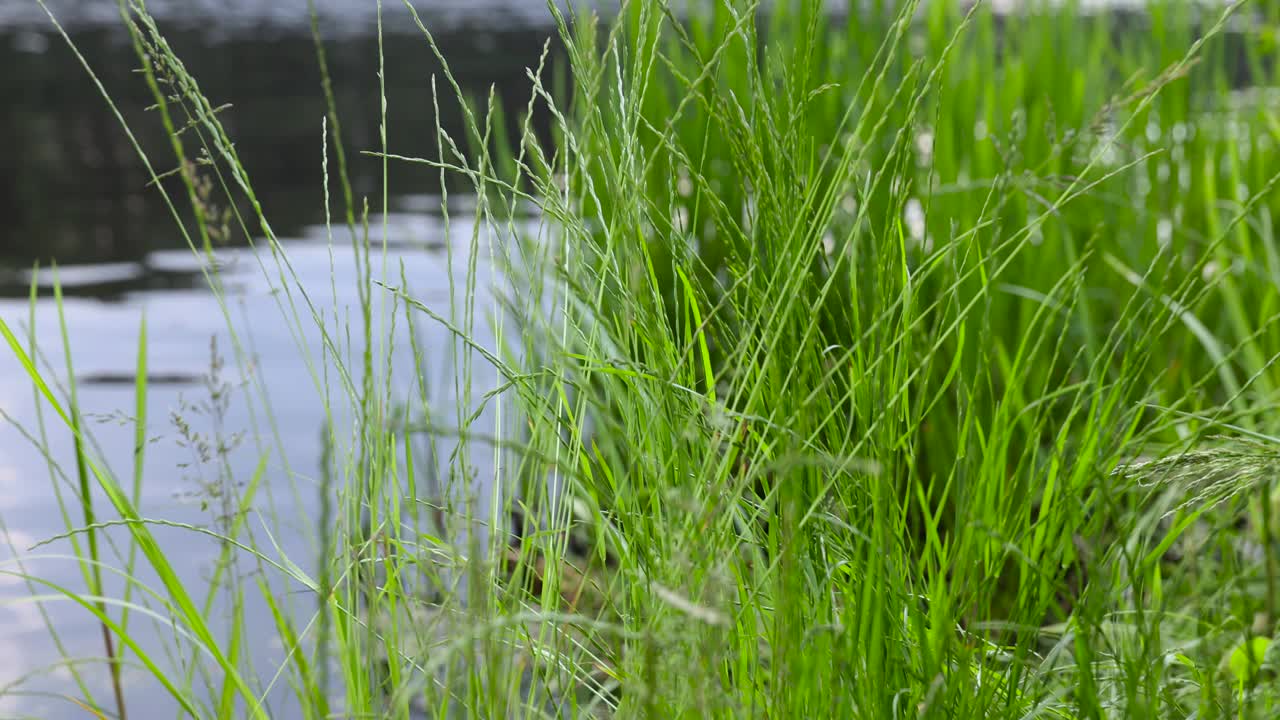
{"x": 914, "y": 362}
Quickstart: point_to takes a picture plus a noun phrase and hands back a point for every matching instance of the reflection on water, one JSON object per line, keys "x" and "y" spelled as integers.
{"x": 284, "y": 358}
{"x": 72, "y": 190}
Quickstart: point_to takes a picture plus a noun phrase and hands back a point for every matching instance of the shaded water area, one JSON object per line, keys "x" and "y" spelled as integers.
{"x": 73, "y": 191}
{"x": 71, "y": 185}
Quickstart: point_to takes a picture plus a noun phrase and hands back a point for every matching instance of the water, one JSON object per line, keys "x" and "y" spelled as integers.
{"x": 181, "y": 325}
{"x": 72, "y": 188}
{"x": 72, "y": 191}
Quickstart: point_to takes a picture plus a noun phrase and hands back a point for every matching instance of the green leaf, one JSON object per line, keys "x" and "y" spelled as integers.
{"x": 1246, "y": 658}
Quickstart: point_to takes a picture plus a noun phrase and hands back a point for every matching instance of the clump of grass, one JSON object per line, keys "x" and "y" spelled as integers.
{"x": 839, "y": 339}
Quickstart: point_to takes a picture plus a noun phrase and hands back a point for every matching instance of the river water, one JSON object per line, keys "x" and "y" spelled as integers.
{"x": 182, "y": 325}
{"x": 73, "y": 191}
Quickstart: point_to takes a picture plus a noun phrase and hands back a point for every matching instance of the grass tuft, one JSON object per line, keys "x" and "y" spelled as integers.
{"x": 814, "y": 385}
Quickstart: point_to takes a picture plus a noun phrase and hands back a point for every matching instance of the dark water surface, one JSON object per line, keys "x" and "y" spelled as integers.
{"x": 72, "y": 187}
{"x": 72, "y": 190}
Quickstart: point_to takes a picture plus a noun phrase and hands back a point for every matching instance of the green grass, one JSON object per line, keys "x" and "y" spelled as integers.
{"x": 898, "y": 369}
